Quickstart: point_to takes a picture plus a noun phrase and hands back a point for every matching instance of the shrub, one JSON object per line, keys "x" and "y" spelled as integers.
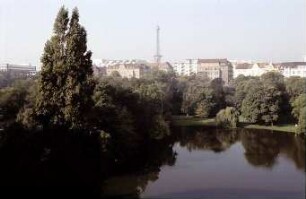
{"x": 228, "y": 117}
{"x": 302, "y": 121}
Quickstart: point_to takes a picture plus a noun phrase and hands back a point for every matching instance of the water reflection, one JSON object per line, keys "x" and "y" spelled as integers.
{"x": 260, "y": 149}
{"x": 201, "y": 139}
{"x": 131, "y": 184}
{"x": 64, "y": 160}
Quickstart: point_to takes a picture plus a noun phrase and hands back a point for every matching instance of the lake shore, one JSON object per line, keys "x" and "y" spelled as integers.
{"x": 210, "y": 122}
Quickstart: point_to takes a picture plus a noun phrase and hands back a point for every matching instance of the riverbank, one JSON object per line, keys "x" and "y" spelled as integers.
{"x": 284, "y": 127}
{"x": 193, "y": 121}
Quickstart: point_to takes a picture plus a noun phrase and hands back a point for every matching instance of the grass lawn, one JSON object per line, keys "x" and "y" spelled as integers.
{"x": 285, "y": 127}
{"x": 193, "y": 121}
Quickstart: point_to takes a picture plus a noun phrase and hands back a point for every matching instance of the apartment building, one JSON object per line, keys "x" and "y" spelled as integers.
{"x": 254, "y": 69}
{"x": 186, "y": 67}
{"x": 128, "y": 70}
{"x": 215, "y": 68}
{"x": 18, "y": 70}
{"x": 289, "y": 69}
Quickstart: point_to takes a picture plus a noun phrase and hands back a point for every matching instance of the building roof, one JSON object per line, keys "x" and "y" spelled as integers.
{"x": 161, "y": 66}
{"x": 244, "y": 66}
{"x": 128, "y": 66}
{"x": 111, "y": 62}
{"x": 292, "y": 64}
{"x": 212, "y": 61}
{"x": 18, "y": 67}
{"x": 262, "y": 65}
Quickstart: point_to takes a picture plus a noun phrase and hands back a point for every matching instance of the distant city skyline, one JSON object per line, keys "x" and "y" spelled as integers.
{"x": 260, "y": 30}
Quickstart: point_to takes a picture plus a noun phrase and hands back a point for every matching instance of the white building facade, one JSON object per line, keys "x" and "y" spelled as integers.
{"x": 253, "y": 69}
{"x": 290, "y": 69}
{"x": 19, "y": 70}
{"x": 186, "y": 67}
{"x": 112, "y": 62}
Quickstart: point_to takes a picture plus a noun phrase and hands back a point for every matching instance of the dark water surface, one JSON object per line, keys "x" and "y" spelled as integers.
{"x": 192, "y": 163}
{"x": 221, "y": 164}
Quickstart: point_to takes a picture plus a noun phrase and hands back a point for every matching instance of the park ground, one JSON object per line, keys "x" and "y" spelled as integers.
{"x": 193, "y": 121}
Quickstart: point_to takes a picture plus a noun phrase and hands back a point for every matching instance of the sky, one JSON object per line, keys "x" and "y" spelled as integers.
{"x": 261, "y": 30}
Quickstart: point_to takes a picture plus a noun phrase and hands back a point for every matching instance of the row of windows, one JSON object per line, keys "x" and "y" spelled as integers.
{"x": 295, "y": 72}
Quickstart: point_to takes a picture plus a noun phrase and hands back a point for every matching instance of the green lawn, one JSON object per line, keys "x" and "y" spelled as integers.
{"x": 285, "y": 127}
{"x": 193, "y": 121}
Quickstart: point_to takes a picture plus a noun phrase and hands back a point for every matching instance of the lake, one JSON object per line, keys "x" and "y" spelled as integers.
{"x": 214, "y": 163}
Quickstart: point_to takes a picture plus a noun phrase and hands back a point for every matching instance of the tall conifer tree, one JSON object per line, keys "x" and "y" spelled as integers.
{"x": 79, "y": 83}
{"x": 66, "y": 84}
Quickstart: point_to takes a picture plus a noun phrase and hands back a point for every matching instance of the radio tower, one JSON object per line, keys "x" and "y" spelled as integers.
{"x": 158, "y": 56}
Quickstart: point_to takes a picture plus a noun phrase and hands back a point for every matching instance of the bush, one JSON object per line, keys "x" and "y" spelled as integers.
{"x": 203, "y": 109}
{"x": 302, "y": 121}
{"x": 160, "y": 128}
{"x": 228, "y": 118}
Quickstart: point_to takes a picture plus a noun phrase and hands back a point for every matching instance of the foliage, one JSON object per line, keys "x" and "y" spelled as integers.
{"x": 298, "y": 104}
{"x": 228, "y": 117}
{"x": 115, "y": 74}
{"x": 270, "y": 105}
{"x": 203, "y": 108}
{"x": 274, "y": 79}
{"x": 8, "y": 78}
{"x": 13, "y": 98}
{"x": 242, "y": 85}
{"x": 250, "y": 109}
{"x": 5, "y": 79}
{"x": 202, "y": 97}
{"x": 160, "y": 128}
{"x": 302, "y": 121}
{"x": 263, "y": 100}
{"x": 135, "y": 113}
{"x": 295, "y": 86}
{"x": 65, "y": 85}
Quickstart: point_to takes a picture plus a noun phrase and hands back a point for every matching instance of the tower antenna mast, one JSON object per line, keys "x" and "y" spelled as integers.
{"x": 158, "y": 56}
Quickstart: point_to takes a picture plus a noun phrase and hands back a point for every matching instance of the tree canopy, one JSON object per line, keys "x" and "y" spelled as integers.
{"x": 65, "y": 85}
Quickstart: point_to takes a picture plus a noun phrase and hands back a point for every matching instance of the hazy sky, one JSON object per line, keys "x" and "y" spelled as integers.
{"x": 271, "y": 30}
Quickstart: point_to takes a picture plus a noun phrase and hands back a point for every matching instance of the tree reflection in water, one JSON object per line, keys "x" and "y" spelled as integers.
{"x": 51, "y": 162}
{"x": 261, "y": 150}
{"x": 261, "y": 147}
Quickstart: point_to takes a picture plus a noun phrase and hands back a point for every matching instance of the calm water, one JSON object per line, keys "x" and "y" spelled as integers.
{"x": 220, "y": 164}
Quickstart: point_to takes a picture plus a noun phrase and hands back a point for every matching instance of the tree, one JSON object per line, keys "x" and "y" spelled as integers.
{"x": 298, "y": 104}
{"x": 65, "y": 84}
{"x": 192, "y": 89}
{"x": 276, "y": 81}
{"x": 302, "y": 121}
{"x": 250, "y": 109}
{"x": 200, "y": 94}
{"x": 115, "y": 74}
{"x": 295, "y": 86}
{"x": 79, "y": 83}
{"x": 159, "y": 129}
{"x": 228, "y": 117}
{"x": 203, "y": 108}
{"x": 51, "y": 100}
{"x": 242, "y": 86}
{"x": 13, "y": 98}
{"x": 27, "y": 114}
{"x": 273, "y": 79}
{"x": 218, "y": 95}
{"x": 264, "y": 99}
{"x": 270, "y": 105}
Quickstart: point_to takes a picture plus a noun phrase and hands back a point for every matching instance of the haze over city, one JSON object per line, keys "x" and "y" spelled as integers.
{"x": 263, "y": 30}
